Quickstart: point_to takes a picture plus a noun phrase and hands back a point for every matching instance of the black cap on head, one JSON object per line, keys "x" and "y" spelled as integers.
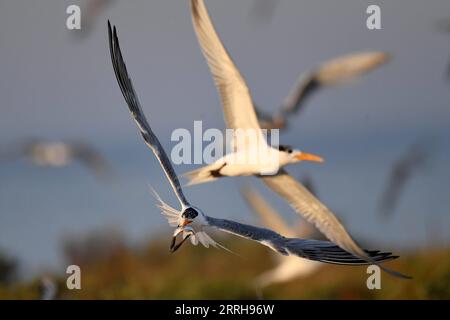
{"x": 190, "y": 213}
{"x": 287, "y": 149}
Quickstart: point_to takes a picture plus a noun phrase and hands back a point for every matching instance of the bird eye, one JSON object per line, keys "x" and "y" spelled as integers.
{"x": 190, "y": 213}
{"x": 289, "y": 151}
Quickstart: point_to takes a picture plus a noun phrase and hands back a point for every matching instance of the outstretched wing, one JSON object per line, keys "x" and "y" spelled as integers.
{"x": 317, "y": 250}
{"x": 132, "y": 100}
{"x": 314, "y": 211}
{"x": 338, "y": 70}
{"x": 235, "y": 96}
{"x": 335, "y": 71}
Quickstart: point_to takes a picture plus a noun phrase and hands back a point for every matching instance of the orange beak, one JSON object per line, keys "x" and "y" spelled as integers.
{"x": 185, "y": 223}
{"x": 309, "y": 157}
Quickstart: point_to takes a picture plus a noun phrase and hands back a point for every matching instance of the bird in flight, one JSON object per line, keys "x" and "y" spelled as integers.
{"x": 48, "y": 153}
{"x": 191, "y": 223}
{"x": 401, "y": 172}
{"x": 240, "y": 114}
{"x": 340, "y": 70}
{"x": 251, "y": 153}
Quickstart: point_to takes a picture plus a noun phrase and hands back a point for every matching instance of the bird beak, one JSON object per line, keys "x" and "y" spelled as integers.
{"x": 303, "y": 156}
{"x": 185, "y": 223}
{"x": 173, "y": 245}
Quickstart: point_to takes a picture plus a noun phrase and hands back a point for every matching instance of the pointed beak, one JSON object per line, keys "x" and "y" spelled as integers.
{"x": 173, "y": 245}
{"x": 185, "y": 223}
{"x": 303, "y": 156}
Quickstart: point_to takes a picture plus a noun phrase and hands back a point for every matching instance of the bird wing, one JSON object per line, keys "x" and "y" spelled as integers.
{"x": 91, "y": 158}
{"x": 288, "y": 269}
{"x": 235, "y": 96}
{"x": 334, "y": 71}
{"x": 317, "y": 250}
{"x": 402, "y": 170}
{"x": 131, "y": 98}
{"x": 302, "y": 89}
{"x": 268, "y": 215}
{"x": 312, "y": 210}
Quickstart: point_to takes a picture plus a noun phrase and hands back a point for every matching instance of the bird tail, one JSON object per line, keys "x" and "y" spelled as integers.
{"x": 203, "y": 174}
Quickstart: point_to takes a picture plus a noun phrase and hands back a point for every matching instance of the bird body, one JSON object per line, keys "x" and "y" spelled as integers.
{"x": 47, "y": 153}
{"x": 265, "y": 160}
{"x": 250, "y": 147}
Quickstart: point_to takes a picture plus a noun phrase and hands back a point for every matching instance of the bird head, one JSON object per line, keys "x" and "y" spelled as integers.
{"x": 292, "y": 155}
{"x": 184, "y": 229}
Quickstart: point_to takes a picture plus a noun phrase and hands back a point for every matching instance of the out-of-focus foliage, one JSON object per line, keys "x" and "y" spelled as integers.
{"x": 151, "y": 272}
{"x": 8, "y": 270}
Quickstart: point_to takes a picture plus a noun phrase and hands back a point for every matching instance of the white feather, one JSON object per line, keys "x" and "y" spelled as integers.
{"x": 171, "y": 214}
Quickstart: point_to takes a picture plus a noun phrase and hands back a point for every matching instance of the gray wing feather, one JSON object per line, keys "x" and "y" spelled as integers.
{"x": 304, "y": 203}
{"x": 131, "y": 98}
{"x": 323, "y": 251}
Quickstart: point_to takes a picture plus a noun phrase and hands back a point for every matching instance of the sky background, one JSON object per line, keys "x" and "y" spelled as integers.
{"x": 57, "y": 85}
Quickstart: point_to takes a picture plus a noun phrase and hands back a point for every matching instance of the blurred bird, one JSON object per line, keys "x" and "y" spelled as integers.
{"x": 240, "y": 114}
{"x": 287, "y": 268}
{"x": 402, "y": 171}
{"x": 59, "y": 154}
{"x": 443, "y": 26}
{"x": 337, "y": 71}
{"x": 191, "y": 222}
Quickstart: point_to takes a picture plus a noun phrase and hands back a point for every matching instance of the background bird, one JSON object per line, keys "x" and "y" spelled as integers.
{"x": 47, "y": 153}
{"x": 337, "y": 71}
{"x": 402, "y": 171}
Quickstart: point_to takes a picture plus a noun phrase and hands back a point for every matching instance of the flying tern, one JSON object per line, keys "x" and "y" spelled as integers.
{"x": 240, "y": 114}
{"x": 191, "y": 222}
{"x": 251, "y": 154}
{"x": 48, "y": 153}
{"x": 340, "y": 70}
{"x": 402, "y": 170}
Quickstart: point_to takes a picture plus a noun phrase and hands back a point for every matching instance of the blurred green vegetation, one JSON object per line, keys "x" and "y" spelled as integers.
{"x": 113, "y": 270}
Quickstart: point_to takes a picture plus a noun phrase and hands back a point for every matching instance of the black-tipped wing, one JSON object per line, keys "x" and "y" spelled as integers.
{"x": 317, "y": 250}
{"x": 131, "y": 98}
